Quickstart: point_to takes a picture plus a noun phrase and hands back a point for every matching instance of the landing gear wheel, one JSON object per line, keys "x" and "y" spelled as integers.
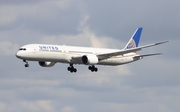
{"x": 71, "y": 71}
{"x": 93, "y": 68}
{"x": 89, "y": 67}
{"x": 26, "y": 65}
{"x": 75, "y": 70}
{"x": 71, "y": 68}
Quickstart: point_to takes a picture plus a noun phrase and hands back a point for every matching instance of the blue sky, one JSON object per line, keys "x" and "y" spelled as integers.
{"x": 150, "y": 85}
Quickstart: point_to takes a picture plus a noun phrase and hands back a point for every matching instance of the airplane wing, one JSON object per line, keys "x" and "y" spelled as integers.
{"x": 121, "y": 52}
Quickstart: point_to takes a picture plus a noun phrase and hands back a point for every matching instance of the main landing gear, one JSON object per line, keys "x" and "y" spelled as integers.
{"x": 93, "y": 68}
{"x": 26, "y": 65}
{"x": 71, "y": 68}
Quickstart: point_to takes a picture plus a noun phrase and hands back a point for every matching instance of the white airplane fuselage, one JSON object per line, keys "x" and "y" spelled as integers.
{"x": 64, "y": 54}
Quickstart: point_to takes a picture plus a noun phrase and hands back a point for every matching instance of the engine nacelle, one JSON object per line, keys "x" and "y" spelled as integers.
{"x": 89, "y": 59}
{"x": 46, "y": 64}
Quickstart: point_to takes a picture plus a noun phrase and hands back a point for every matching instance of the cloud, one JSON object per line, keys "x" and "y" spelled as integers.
{"x": 28, "y": 106}
{"x": 40, "y": 13}
{"x": 95, "y": 41}
{"x": 35, "y": 106}
{"x": 85, "y": 37}
{"x": 8, "y": 16}
{"x": 29, "y": 82}
{"x": 147, "y": 85}
{"x": 68, "y": 109}
{"x": 2, "y": 107}
{"x": 8, "y": 48}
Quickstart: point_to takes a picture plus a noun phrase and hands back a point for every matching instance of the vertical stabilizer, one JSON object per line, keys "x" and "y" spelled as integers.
{"x": 134, "y": 41}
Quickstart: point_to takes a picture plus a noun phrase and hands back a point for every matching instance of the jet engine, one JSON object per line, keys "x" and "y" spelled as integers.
{"x": 46, "y": 64}
{"x": 89, "y": 59}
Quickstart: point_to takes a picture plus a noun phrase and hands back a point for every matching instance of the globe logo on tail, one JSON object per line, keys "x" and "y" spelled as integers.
{"x": 131, "y": 44}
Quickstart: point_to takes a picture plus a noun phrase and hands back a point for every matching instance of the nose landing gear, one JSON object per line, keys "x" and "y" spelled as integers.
{"x": 26, "y": 65}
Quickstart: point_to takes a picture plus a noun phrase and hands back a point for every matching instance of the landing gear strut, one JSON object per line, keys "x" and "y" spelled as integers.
{"x": 93, "y": 68}
{"x": 26, "y": 65}
{"x": 71, "y": 68}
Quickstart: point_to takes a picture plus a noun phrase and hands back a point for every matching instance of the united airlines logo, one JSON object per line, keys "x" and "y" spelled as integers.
{"x": 131, "y": 44}
{"x": 48, "y": 48}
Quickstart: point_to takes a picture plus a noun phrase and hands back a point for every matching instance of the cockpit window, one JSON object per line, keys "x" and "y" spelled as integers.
{"x": 22, "y": 49}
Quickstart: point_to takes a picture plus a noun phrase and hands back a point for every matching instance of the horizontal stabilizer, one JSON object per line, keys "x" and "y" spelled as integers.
{"x": 141, "y": 56}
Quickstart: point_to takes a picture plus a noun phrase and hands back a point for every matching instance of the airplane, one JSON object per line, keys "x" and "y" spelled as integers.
{"x": 48, "y": 55}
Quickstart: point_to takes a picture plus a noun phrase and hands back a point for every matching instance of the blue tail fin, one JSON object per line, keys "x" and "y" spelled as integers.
{"x": 134, "y": 41}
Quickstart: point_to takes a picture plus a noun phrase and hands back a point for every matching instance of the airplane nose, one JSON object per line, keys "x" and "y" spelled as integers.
{"x": 18, "y": 55}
